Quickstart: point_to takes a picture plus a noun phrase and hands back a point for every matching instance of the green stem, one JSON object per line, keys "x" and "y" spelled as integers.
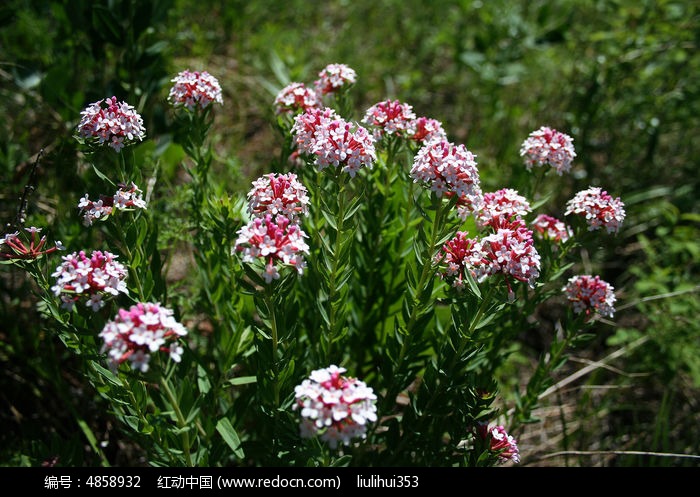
{"x": 269, "y": 303}
{"x": 543, "y": 371}
{"x": 472, "y": 326}
{"x": 426, "y": 274}
{"x": 399, "y": 249}
{"x": 181, "y": 423}
{"x": 133, "y": 273}
{"x": 416, "y": 308}
{"x": 449, "y": 371}
{"x": 540, "y": 176}
{"x": 337, "y": 248}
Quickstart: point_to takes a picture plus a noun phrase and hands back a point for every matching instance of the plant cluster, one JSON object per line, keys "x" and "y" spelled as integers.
{"x": 360, "y": 301}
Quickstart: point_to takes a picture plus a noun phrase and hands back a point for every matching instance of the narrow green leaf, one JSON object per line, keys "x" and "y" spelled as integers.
{"x": 242, "y": 380}
{"x": 473, "y": 285}
{"x": 102, "y": 176}
{"x": 132, "y": 421}
{"x": 107, "y": 375}
{"x": 225, "y": 429}
{"x": 203, "y": 382}
{"x": 485, "y": 320}
{"x": 329, "y": 219}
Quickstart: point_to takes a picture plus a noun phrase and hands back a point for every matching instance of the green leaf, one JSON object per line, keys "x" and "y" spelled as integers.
{"x": 242, "y": 380}
{"x": 107, "y": 375}
{"x": 541, "y": 202}
{"x": 102, "y": 176}
{"x": 341, "y": 462}
{"x": 225, "y": 429}
{"x": 132, "y": 421}
{"x": 486, "y": 320}
{"x": 473, "y": 285}
{"x": 203, "y": 382}
{"x": 329, "y": 219}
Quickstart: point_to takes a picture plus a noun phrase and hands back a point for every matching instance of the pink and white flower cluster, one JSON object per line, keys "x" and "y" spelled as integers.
{"x": 274, "y": 236}
{"x": 589, "y": 294}
{"x": 456, "y": 255}
{"x": 500, "y": 443}
{"x": 447, "y": 169}
{"x": 550, "y": 228}
{"x": 424, "y": 130}
{"x": 195, "y": 90}
{"x": 143, "y": 329}
{"x": 394, "y": 118}
{"x": 32, "y": 249}
{"x": 509, "y": 251}
{"x": 125, "y": 198}
{"x": 276, "y": 241}
{"x": 599, "y": 209}
{"x": 504, "y": 204}
{"x": 89, "y": 278}
{"x": 278, "y": 194}
{"x": 298, "y": 97}
{"x": 548, "y": 146}
{"x": 332, "y": 141}
{"x": 335, "y": 407}
{"x": 388, "y": 118}
{"x": 333, "y": 78}
{"x": 295, "y": 98}
{"x": 110, "y": 122}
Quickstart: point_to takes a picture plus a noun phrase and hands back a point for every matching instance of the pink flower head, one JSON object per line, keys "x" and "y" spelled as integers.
{"x": 127, "y": 197}
{"x": 470, "y": 204}
{"x": 143, "y": 329}
{"x": 389, "y": 118}
{"x": 30, "y": 248}
{"x": 509, "y": 251}
{"x": 598, "y": 208}
{"x": 334, "y": 407}
{"x": 91, "y": 279}
{"x": 590, "y": 294}
{"x": 500, "y": 443}
{"x": 274, "y": 240}
{"x": 548, "y": 146}
{"x": 115, "y": 123}
{"x": 278, "y": 194}
{"x": 307, "y": 124}
{"x": 447, "y": 169}
{"x": 424, "y": 130}
{"x": 295, "y": 98}
{"x": 455, "y": 258}
{"x": 550, "y": 228}
{"x": 504, "y": 204}
{"x": 334, "y": 77}
{"x": 194, "y": 90}
{"x": 334, "y": 142}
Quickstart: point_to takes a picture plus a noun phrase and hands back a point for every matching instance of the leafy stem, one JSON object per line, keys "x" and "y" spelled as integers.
{"x": 181, "y": 422}
{"x": 547, "y": 364}
{"x": 270, "y": 305}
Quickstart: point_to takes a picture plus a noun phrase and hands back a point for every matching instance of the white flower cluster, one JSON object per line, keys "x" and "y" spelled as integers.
{"x": 136, "y": 333}
{"x": 115, "y": 123}
{"x": 334, "y": 407}
{"x": 194, "y": 89}
{"x": 91, "y": 278}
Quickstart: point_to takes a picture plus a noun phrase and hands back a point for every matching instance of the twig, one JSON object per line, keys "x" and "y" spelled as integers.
{"x": 29, "y": 188}
{"x": 608, "y": 367}
{"x": 591, "y": 367}
{"x": 659, "y": 296}
{"x": 615, "y": 452}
